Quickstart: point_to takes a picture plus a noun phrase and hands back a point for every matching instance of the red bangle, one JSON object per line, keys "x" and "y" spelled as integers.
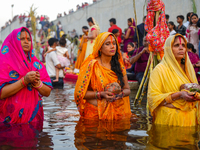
{"x": 99, "y": 95}
{"x": 23, "y": 81}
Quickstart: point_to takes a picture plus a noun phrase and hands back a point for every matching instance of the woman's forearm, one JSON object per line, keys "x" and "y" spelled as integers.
{"x": 176, "y": 96}
{"x": 126, "y": 92}
{"x": 89, "y": 95}
{"x": 11, "y": 89}
{"x": 44, "y": 90}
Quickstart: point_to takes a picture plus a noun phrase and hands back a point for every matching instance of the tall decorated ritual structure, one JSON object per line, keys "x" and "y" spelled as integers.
{"x": 157, "y": 33}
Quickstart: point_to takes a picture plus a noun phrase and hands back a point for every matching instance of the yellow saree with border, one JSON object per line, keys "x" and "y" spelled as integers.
{"x": 97, "y": 77}
{"x": 166, "y": 79}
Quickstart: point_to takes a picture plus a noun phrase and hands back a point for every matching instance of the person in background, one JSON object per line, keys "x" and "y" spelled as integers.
{"x": 126, "y": 56}
{"x": 186, "y": 24}
{"x": 181, "y": 29}
{"x": 52, "y": 63}
{"x": 192, "y": 32}
{"x": 116, "y": 33}
{"x": 140, "y": 58}
{"x": 114, "y": 26}
{"x": 94, "y": 31}
{"x": 167, "y": 18}
{"x": 172, "y": 28}
{"x": 194, "y": 58}
{"x": 58, "y": 29}
{"x": 141, "y": 33}
{"x": 82, "y": 50}
{"x": 129, "y": 33}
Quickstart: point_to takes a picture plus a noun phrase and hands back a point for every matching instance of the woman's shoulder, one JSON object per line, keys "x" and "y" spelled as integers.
{"x": 159, "y": 69}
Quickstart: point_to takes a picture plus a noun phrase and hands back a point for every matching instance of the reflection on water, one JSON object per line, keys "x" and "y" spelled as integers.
{"x": 62, "y": 129}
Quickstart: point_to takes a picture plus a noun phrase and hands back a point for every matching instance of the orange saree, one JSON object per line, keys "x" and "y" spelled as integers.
{"x": 97, "y": 77}
{"x": 81, "y": 53}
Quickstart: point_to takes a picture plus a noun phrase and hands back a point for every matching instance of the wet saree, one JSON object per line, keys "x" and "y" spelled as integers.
{"x": 81, "y": 53}
{"x": 26, "y": 105}
{"x": 97, "y": 77}
{"x": 165, "y": 80}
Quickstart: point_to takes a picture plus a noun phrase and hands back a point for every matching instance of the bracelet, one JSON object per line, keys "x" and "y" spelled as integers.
{"x": 96, "y": 95}
{"x": 22, "y": 81}
{"x": 99, "y": 95}
{"x": 168, "y": 99}
{"x": 123, "y": 94}
{"x": 39, "y": 86}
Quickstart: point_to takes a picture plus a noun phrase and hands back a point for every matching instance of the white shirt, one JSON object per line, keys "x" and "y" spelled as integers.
{"x": 186, "y": 24}
{"x": 61, "y": 50}
{"x": 173, "y": 32}
{"x": 51, "y": 62}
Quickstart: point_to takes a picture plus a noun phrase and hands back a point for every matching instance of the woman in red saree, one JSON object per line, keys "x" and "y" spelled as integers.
{"x": 104, "y": 66}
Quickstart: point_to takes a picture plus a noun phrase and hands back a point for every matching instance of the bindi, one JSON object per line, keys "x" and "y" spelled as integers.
{"x": 111, "y": 40}
{"x": 180, "y": 42}
{"x": 26, "y": 37}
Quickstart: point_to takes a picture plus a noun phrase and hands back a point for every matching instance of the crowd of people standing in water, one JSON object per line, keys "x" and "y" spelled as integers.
{"x": 105, "y": 63}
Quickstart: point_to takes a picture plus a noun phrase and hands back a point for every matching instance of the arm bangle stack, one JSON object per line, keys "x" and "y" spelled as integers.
{"x": 168, "y": 99}
{"x": 39, "y": 86}
{"x": 22, "y": 81}
{"x": 99, "y": 95}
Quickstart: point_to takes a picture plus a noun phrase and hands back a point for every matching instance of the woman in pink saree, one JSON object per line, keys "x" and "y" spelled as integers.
{"x": 129, "y": 34}
{"x": 23, "y": 80}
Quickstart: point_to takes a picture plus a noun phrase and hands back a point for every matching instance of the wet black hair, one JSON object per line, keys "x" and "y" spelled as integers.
{"x": 188, "y": 15}
{"x": 166, "y": 16}
{"x": 90, "y": 20}
{"x": 192, "y": 16}
{"x": 85, "y": 27}
{"x": 25, "y": 30}
{"x": 113, "y": 20}
{"x": 180, "y": 16}
{"x": 116, "y": 67}
{"x": 114, "y": 31}
{"x": 62, "y": 41}
{"x": 191, "y": 46}
{"x": 51, "y": 41}
{"x": 172, "y": 23}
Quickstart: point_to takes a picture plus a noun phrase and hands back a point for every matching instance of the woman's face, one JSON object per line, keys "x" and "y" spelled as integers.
{"x": 179, "y": 48}
{"x": 129, "y": 48}
{"x": 194, "y": 19}
{"x": 25, "y": 41}
{"x": 109, "y": 47}
{"x": 90, "y": 24}
{"x": 129, "y": 23}
{"x": 170, "y": 27}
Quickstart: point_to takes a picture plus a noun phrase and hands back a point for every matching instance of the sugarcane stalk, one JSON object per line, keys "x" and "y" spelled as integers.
{"x": 143, "y": 79}
{"x": 144, "y": 87}
{"x": 136, "y": 24}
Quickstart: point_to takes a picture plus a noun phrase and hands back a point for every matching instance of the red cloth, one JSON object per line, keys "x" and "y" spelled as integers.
{"x": 156, "y": 35}
{"x": 120, "y": 32}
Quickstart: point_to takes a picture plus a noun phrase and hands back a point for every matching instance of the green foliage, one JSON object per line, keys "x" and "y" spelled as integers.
{"x": 194, "y": 6}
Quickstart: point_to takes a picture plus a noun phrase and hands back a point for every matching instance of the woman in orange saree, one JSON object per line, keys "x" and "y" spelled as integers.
{"x": 82, "y": 50}
{"x": 104, "y": 66}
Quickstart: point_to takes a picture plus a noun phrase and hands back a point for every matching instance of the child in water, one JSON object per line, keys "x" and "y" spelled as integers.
{"x": 63, "y": 56}
{"x": 128, "y": 55}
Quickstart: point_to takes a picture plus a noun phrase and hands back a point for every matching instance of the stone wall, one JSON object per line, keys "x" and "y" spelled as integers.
{"x": 103, "y": 10}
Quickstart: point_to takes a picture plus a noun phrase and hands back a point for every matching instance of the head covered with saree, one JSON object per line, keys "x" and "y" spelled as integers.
{"x": 167, "y": 78}
{"x": 15, "y": 64}
{"x": 97, "y": 77}
{"x": 132, "y": 21}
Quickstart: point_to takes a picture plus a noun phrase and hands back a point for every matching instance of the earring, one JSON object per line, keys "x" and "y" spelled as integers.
{"x": 99, "y": 53}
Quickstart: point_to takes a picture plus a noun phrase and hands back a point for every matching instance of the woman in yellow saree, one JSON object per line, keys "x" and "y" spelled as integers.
{"x": 169, "y": 105}
{"x": 93, "y": 33}
{"x": 104, "y": 66}
{"x": 82, "y": 50}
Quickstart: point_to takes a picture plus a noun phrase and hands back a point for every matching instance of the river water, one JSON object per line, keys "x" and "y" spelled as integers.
{"x": 62, "y": 130}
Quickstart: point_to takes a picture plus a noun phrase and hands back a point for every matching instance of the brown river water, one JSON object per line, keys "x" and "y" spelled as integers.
{"x": 63, "y": 130}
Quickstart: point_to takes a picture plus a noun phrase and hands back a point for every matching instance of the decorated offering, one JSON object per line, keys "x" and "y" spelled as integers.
{"x": 192, "y": 88}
